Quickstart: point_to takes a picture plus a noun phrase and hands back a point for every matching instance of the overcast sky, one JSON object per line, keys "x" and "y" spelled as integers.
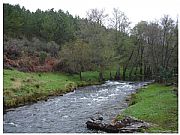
{"x": 135, "y": 10}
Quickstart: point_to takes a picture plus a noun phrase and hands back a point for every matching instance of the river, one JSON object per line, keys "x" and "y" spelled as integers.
{"x": 69, "y": 113}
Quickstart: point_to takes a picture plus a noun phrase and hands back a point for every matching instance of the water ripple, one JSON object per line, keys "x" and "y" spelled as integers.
{"x": 68, "y": 113}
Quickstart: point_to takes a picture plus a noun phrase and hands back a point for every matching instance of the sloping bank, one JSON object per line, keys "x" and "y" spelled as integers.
{"x": 20, "y": 88}
{"x": 156, "y": 104}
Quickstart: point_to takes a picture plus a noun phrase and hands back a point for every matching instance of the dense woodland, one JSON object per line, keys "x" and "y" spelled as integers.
{"x": 56, "y": 41}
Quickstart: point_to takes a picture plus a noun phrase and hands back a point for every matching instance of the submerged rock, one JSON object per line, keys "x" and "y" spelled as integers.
{"x": 126, "y": 125}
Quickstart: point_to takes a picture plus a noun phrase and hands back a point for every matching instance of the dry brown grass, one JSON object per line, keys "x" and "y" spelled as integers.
{"x": 17, "y": 84}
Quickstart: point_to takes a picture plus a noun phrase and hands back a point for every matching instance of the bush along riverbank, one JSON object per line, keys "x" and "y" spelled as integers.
{"x": 156, "y": 104}
{"x": 20, "y": 88}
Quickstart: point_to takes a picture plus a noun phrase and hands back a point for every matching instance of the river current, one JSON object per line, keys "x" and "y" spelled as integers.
{"x": 69, "y": 113}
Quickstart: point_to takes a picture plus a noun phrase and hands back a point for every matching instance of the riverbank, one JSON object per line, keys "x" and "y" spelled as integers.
{"x": 22, "y": 88}
{"x": 156, "y": 104}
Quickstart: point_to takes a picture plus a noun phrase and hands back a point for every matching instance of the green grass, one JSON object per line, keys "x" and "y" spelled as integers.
{"x": 157, "y": 105}
{"x": 20, "y": 88}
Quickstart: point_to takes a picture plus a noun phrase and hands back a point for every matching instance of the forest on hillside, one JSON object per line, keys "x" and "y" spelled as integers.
{"x": 51, "y": 41}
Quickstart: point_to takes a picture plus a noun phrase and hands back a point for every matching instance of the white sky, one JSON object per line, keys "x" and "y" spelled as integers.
{"x": 135, "y": 10}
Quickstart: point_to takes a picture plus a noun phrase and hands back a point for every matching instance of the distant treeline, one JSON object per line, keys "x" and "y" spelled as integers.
{"x": 49, "y": 25}
{"x": 55, "y": 40}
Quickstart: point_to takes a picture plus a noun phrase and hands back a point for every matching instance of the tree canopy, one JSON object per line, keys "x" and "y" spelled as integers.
{"x": 147, "y": 51}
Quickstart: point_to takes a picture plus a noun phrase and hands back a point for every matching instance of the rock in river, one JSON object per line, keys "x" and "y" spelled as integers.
{"x": 126, "y": 125}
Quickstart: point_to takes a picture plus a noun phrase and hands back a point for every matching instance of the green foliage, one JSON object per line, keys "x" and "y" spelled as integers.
{"x": 166, "y": 74}
{"x": 48, "y": 25}
{"x": 13, "y": 19}
{"x": 76, "y": 56}
{"x": 42, "y": 57}
{"x": 53, "y": 48}
{"x": 156, "y": 104}
{"x": 86, "y": 44}
{"x": 156, "y": 44}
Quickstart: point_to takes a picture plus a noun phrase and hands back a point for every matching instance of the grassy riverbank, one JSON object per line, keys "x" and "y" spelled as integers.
{"x": 21, "y": 88}
{"x": 156, "y": 104}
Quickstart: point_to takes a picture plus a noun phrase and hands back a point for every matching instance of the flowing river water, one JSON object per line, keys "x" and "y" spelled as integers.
{"x": 69, "y": 113}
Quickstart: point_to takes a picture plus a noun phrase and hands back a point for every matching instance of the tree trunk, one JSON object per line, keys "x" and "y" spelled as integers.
{"x": 141, "y": 63}
{"x": 125, "y": 65}
{"x": 130, "y": 74}
{"x": 124, "y": 73}
{"x": 170, "y": 54}
{"x": 101, "y": 76}
{"x": 145, "y": 72}
{"x": 110, "y": 76}
{"x": 117, "y": 76}
{"x": 135, "y": 73}
{"x": 80, "y": 76}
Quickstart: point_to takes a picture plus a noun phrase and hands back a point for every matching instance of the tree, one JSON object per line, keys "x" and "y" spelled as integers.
{"x": 46, "y": 25}
{"x": 76, "y": 57}
{"x": 156, "y": 43}
{"x": 13, "y": 20}
{"x": 92, "y": 31}
{"x": 148, "y": 51}
{"x": 97, "y": 16}
{"x": 120, "y": 23}
{"x": 42, "y": 57}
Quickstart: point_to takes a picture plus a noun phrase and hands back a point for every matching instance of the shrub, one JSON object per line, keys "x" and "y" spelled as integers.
{"x": 53, "y": 48}
{"x": 42, "y": 57}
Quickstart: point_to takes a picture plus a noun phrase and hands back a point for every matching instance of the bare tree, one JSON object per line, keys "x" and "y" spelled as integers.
{"x": 97, "y": 16}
